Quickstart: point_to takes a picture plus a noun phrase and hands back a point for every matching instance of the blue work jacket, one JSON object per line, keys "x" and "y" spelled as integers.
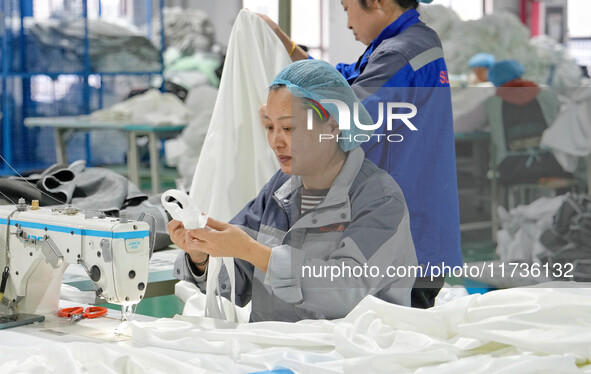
{"x": 405, "y": 64}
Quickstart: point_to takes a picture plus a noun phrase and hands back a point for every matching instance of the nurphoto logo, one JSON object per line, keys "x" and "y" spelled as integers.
{"x": 344, "y": 120}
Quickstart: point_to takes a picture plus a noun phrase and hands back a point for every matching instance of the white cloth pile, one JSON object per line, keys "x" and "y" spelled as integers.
{"x": 526, "y": 330}
{"x": 188, "y": 30}
{"x": 505, "y": 37}
{"x": 54, "y": 45}
{"x": 236, "y": 160}
{"x": 569, "y": 137}
{"x": 152, "y": 107}
{"x": 521, "y": 330}
{"x": 519, "y": 238}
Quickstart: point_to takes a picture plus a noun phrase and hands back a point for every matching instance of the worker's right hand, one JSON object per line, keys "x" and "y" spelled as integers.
{"x": 180, "y": 237}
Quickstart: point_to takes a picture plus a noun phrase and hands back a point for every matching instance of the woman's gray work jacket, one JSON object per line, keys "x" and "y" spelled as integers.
{"x": 355, "y": 243}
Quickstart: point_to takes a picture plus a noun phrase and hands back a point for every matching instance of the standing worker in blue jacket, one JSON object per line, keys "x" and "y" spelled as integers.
{"x": 404, "y": 62}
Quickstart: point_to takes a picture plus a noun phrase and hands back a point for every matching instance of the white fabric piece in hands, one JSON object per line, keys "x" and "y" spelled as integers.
{"x": 192, "y": 218}
{"x": 189, "y": 214}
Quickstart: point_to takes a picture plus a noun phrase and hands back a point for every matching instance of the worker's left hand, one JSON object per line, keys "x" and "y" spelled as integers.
{"x": 220, "y": 239}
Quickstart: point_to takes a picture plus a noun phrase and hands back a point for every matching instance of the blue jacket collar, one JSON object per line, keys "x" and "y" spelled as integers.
{"x": 407, "y": 19}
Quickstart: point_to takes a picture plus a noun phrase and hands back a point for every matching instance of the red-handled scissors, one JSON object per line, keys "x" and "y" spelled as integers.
{"x": 77, "y": 313}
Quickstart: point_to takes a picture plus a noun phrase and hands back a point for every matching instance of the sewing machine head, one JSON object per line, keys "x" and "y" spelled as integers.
{"x": 42, "y": 242}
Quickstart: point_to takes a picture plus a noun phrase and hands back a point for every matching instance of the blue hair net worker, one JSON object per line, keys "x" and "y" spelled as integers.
{"x": 480, "y": 64}
{"x": 505, "y": 71}
{"x": 524, "y": 105}
{"x": 404, "y": 63}
{"x": 301, "y": 245}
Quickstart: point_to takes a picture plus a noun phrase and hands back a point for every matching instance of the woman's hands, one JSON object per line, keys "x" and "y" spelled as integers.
{"x": 179, "y": 236}
{"x": 219, "y": 239}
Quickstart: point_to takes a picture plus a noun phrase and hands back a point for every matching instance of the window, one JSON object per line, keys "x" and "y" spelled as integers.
{"x": 267, "y": 7}
{"x": 309, "y": 26}
{"x": 578, "y": 18}
{"x": 579, "y": 31}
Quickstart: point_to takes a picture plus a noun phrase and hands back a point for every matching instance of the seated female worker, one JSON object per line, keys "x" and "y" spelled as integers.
{"x": 404, "y": 63}
{"x": 328, "y": 229}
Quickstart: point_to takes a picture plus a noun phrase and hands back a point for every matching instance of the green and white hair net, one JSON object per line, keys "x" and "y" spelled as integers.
{"x": 319, "y": 81}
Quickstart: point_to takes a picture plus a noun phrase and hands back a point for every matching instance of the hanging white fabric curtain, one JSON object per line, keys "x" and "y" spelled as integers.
{"x": 235, "y": 161}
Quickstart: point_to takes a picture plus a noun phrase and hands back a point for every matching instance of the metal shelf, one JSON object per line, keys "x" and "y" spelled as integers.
{"x": 19, "y": 86}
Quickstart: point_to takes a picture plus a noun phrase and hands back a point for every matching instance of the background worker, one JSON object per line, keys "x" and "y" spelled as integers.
{"x": 518, "y": 114}
{"x": 404, "y": 62}
{"x": 479, "y": 65}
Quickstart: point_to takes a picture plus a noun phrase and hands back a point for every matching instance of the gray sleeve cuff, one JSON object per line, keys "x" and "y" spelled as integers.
{"x": 280, "y": 276}
{"x": 197, "y": 278}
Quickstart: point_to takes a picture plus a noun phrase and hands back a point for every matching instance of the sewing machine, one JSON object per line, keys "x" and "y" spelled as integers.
{"x": 43, "y": 242}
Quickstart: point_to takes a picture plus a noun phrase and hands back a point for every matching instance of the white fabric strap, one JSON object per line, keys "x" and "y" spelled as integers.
{"x": 214, "y": 306}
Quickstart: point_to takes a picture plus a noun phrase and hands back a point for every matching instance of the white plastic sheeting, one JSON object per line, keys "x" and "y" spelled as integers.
{"x": 546, "y": 329}
{"x": 236, "y": 161}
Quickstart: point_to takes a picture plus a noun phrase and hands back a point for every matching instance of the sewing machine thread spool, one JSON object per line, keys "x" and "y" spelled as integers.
{"x": 34, "y": 204}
